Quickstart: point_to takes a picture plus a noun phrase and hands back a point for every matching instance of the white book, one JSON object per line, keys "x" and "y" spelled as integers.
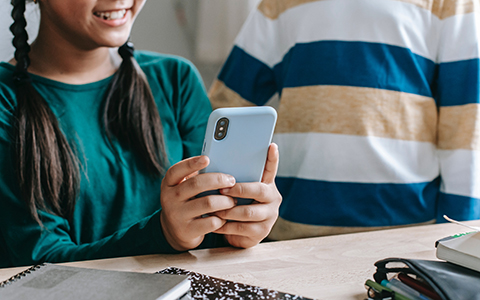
{"x": 462, "y": 249}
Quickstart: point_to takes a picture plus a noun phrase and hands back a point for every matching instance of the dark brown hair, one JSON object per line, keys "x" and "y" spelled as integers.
{"x": 47, "y": 167}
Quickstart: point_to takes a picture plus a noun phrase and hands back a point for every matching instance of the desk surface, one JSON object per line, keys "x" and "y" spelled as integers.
{"x": 332, "y": 267}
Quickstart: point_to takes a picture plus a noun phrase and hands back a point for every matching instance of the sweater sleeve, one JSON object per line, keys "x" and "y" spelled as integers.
{"x": 457, "y": 94}
{"x": 25, "y": 242}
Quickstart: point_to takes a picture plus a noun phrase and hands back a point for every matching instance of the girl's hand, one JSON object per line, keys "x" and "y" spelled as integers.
{"x": 250, "y": 224}
{"x": 181, "y": 215}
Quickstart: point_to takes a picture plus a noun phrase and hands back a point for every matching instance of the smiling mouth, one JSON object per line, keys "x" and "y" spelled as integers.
{"x": 111, "y": 15}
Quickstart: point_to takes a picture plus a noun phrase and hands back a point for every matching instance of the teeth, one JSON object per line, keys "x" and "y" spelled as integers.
{"x": 114, "y": 15}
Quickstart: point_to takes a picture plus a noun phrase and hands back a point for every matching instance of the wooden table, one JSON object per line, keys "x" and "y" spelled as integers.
{"x": 333, "y": 267}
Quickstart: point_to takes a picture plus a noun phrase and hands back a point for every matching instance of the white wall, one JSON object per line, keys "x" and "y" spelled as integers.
{"x": 205, "y": 36}
{"x": 157, "y": 28}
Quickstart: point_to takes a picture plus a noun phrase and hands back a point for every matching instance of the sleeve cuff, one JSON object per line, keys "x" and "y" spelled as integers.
{"x": 158, "y": 238}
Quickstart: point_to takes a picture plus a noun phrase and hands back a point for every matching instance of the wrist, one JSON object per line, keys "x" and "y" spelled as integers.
{"x": 169, "y": 236}
{"x": 175, "y": 239}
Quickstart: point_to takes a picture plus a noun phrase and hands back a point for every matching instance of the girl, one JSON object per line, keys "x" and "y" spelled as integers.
{"x": 86, "y": 135}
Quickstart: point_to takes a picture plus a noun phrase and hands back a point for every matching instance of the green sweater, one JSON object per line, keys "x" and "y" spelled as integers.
{"x": 117, "y": 210}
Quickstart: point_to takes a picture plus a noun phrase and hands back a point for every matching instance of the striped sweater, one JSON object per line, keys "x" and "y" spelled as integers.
{"x": 378, "y": 115}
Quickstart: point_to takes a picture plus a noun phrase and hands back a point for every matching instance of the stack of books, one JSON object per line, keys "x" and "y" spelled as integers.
{"x": 57, "y": 282}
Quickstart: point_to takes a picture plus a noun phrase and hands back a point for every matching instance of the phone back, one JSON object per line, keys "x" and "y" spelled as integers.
{"x": 238, "y": 145}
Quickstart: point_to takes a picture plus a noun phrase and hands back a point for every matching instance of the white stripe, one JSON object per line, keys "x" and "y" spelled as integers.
{"x": 460, "y": 38}
{"x": 460, "y": 172}
{"x": 377, "y": 21}
{"x": 346, "y": 158}
{"x": 401, "y": 24}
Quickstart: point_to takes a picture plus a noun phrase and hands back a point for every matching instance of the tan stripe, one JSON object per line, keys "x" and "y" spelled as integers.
{"x": 458, "y": 127}
{"x": 446, "y": 8}
{"x": 286, "y": 230}
{"x": 221, "y": 96}
{"x": 272, "y": 9}
{"x": 357, "y": 111}
{"x": 458, "y": 7}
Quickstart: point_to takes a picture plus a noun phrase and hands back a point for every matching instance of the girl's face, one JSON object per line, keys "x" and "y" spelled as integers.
{"x": 89, "y": 24}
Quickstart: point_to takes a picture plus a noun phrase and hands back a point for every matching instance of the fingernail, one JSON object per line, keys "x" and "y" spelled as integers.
{"x": 200, "y": 160}
{"x": 224, "y": 191}
{"x": 231, "y": 179}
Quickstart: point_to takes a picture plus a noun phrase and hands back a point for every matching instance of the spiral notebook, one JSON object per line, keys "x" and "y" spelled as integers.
{"x": 54, "y": 282}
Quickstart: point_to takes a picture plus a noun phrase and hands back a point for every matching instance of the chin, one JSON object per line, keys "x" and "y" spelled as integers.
{"x": 112, "y": 44}
{"x": 115, "y": 41}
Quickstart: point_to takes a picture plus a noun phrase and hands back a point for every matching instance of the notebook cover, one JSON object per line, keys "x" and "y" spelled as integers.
{"x": 54, "y": 282}
{"x": 207, "y": 287}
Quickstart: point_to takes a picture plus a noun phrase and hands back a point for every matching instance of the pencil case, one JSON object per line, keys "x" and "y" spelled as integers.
{"x": 447, "y": 280}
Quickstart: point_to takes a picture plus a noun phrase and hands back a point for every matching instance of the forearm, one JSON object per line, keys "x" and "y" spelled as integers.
{"x": 33, "y": 244}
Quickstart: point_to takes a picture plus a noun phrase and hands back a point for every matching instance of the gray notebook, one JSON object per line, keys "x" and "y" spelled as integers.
{"x": 54, "y": 282}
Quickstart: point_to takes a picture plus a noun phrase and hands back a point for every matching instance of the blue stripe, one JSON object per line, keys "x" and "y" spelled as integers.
{"x": 249, "y": 77}
{"x": 458, "y": 207}
{"x": 458, "y": 83}
{"x": 361, "y": 64}
{"x": 356, "y": 204}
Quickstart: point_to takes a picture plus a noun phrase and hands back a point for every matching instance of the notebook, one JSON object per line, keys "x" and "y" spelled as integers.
{"x": 461, "y": 249}
{"x": 208, "y": 287}
{"x": 50, "y": 281}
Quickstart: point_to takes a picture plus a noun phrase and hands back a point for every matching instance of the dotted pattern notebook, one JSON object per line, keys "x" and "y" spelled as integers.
{"x": 207, "y": 287}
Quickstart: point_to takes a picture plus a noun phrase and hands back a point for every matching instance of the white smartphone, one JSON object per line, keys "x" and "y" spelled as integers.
{"x": 237, "y": 141}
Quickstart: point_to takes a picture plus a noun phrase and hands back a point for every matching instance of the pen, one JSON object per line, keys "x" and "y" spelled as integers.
{"x": 401, "y": 288}
{"x": 378, "y": 288}
{"x": 419, "y": 286}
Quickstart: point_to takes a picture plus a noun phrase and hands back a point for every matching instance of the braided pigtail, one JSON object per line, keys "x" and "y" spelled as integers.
{"x": 47, "y": 168}
{"x": 131, "y": 114}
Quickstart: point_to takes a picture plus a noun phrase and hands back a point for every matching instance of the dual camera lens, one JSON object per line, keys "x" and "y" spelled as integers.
{"x": 221, "y": 129}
